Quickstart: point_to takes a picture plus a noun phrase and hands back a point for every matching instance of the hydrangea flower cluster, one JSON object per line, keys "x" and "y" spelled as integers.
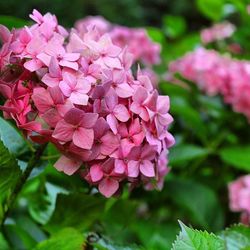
{"x": 239, "y": 197}
{"x": 135, "y": 39}
{"x": 217, "y": 32}
{"x": 216, "y": 74}
{"x": 78, "y": 92}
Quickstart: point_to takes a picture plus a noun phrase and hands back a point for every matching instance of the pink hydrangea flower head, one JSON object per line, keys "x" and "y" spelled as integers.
{"x": 77, "y": 91}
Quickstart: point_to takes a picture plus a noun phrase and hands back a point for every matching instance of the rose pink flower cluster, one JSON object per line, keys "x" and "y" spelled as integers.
{"x": 217, "y": 74}
{"x": 78, "y": 92}
{"x": 217, "y": 32}
{"x": 239, "y": 197}
{"x": 136, "y": 40}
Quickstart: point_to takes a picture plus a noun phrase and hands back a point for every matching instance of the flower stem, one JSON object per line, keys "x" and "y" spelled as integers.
{"x": 22, "y": 180}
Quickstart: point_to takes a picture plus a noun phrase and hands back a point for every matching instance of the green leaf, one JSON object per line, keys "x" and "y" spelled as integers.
{"x": 156, "y": 35}
{"x": 3, "y": 243}
{"x": 212, "y": 9}
{"x": 189, "y": 116}
{"x": 19, "y": 238}
{"x": 190, "y": 239}
{"x": 11, "y": 138}
{"x": 174, "y": 26}
{"x": 154, "y": 235}
{"x": 75, "y": 210}
{"x": 199, "y": 201}
{"x": 66, "y": 239}
{"x": 238, "y": 157}
{"x": 236, "y": 237}
{"x": 186, "y": 152}
{"x": 13, "y": 22}
{"x": 9, "y": 171}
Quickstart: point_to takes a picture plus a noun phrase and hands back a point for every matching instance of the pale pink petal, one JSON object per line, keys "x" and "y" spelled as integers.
{"x": 66, "y": 165}
{"x": 108, "y": 187}
{"x": 112, "y": 122}
{"x": 121, "y": 113}
{"x": 140, "y": 95}
{"x": 120, "y": 167}
{"x": 133, "y": 169}
{"x": 72, "y": 65}
{"x": 71, "y": 57}
{"x": 124, "y": 90}
{"x": 78, "y": 98}
{"x": 33, "y": 65}
{"x": 147, "y": 168}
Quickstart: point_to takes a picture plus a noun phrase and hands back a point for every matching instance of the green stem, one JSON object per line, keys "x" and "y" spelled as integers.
{"x": 22, "y": 180}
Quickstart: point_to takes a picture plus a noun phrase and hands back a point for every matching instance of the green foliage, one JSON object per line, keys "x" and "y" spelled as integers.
{"x": 212, "y": 9}
{"x": 238, "y": 157}
{"x": 77, "y": 210}
{"x": 174, "y": 26}
{"x": 236, "y": 237}
{"x": 190, "y": 239}
{"x": 11, "y": 138}
{"x": 199, "y": 201}
{"x": 12, "y": 22}
{"x": 65, "y": 239}
{"x": 9, "y": 171}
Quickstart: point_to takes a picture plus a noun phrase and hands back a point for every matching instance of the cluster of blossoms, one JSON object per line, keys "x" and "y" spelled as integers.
{"x": 217, "y": 32}
{"x": 136, "y": 40}
{"x": 239, "y": 197}
{"x": 77, "y": 91}
{"x": 216, "y": 74}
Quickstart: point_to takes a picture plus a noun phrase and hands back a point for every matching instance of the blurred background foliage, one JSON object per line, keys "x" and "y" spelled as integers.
{"x": 58, "y": 210}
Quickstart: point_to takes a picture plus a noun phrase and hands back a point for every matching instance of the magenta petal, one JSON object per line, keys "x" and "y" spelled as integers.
{"x": 89, "y": 120}
{"x": 108, "y": 187}
{"x": 96, "y": 173}
{"x": 109, "y": 144}
{"x": 83, "y": 138}
{"x": 147, "y": 168}
{"x": 120, "y": 167}
{"x": 66, "y": 165}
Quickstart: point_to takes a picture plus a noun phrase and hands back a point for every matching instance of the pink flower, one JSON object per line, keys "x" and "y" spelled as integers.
{"x": 117, "y": 112}
{"x": 77, "y": 126}
{"x": 78, "y": 92}
{"x": 140, "y": 161}
{"x": 75, "y": 88}
{"x": 55, "y": 49}
{"x": 239, "y": 195}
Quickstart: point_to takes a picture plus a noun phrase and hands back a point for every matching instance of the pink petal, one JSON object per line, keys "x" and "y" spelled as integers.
{"x": 45, "y": 58}
{"x": 83, "y": 138}
{"x": 88, "y": 120}
{"x": 33, "y": 65}
{"x": 111, "y": 99}
{"x": 140, "y": 95}
{"x": 96, "y": 173}
{"x": 135, "y": 127}
{"x": 112, "y": 122}
{"x": 124, "y": 90}
{"x": 121, "y": 113}
{"x": 108, "y": 187}
{"x": 133, "y": 169}
{"x": 63, "y": 131}
{"x": 74, "y": 116}
{"x": 71, "y": 57}
{"x": 72, "y": 65}
{"x": 78, "y": 98}
{"x": 42, "y": 99}
{"x": 147, "y": 168}
{"x": 110, "y": 143}
{"x": 66, "y": 165}
{"x": 120, "y": 167}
